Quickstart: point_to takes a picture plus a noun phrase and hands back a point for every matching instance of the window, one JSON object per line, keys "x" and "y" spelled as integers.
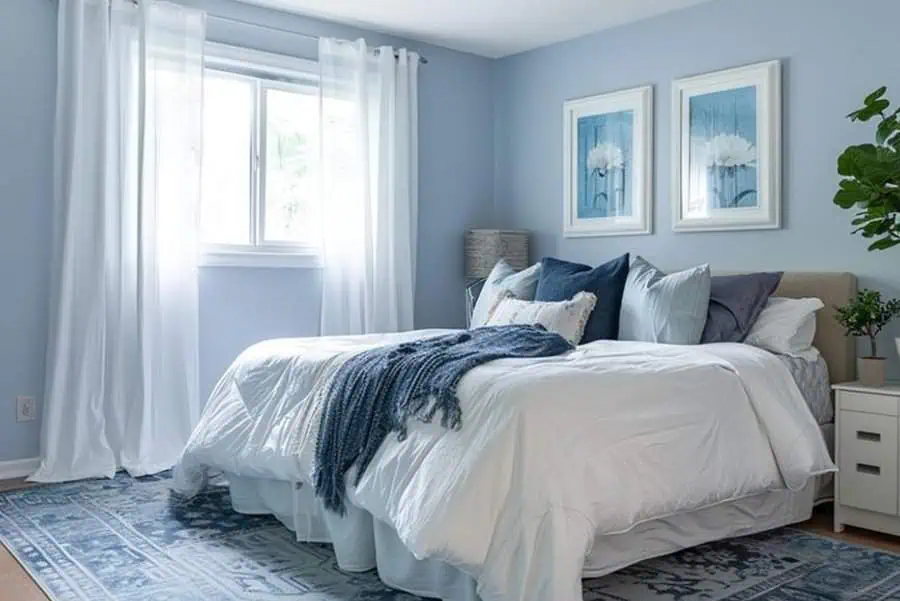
{"x": 259, "y": 186}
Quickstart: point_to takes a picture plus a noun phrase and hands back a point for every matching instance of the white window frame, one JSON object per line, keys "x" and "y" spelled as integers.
{"x": 257, "y": 66}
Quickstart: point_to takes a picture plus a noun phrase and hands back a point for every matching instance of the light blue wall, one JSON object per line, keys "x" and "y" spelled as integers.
{"x": 834, "y": 52}
{"x": 27, "y": 73}
{"x": 238, "y": 306}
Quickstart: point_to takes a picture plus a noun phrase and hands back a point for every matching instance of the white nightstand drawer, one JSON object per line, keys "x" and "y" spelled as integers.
{"x": 868, "y": 461}
{"x": 867, "y": 402}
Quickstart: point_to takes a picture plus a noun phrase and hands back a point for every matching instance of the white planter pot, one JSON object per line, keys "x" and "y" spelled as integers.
{"x": 871, "y": 371}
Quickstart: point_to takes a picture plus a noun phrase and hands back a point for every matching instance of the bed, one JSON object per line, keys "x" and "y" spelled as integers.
{"x": 370, "y": 536}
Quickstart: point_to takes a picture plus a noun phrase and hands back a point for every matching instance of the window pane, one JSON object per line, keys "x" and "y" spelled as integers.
{"x": 227, "y": 125}
{"x": 290, "y": 179}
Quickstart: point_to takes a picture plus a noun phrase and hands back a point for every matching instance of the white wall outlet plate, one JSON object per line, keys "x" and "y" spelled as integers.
{"x": 26, "y": 408}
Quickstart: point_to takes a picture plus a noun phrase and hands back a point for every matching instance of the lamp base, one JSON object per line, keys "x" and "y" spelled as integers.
{"x": 473, "y": 291}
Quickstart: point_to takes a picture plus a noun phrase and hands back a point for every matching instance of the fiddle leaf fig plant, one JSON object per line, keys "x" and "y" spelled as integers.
{"x": 866, "y": 315}
{"x": 871, "y": 175}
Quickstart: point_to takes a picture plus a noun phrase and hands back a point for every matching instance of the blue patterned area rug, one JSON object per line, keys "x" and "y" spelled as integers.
{"x": 127, "y": 540}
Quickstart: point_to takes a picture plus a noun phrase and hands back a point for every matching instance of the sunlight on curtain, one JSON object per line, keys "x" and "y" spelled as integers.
{"x": 369, "y": 170}
{"x": 122, "y": 367}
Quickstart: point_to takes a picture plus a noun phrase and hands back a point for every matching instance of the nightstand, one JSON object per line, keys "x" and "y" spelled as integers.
{"x": 866, "y": 492}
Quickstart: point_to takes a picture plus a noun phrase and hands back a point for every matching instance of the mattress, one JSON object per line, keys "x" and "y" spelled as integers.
{"x": 362, "y": 543}
{"x": 812, "y": 379}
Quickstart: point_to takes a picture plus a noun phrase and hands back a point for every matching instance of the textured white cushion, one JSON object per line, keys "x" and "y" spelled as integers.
{"x": 787, "y": 326}
{"x": 566, "y": 318}
{"x": 670, "y": 309}
{"x": 503, "y": 279}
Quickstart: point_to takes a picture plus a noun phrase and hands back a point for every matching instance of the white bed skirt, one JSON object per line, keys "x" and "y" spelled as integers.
{"x": 362, "y": 543}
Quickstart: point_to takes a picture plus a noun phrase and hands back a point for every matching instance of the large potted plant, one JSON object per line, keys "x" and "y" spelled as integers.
{"x": 871, "y": 176}
{"x": 866, "y": 315}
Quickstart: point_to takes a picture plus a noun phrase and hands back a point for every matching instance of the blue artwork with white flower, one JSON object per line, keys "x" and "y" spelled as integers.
{"x": 723, "y": 160}
{"x": 605, "y": 154}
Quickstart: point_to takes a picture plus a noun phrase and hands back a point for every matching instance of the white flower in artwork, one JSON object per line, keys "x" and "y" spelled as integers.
{"x": 728, "y": 150}
{"x": 604, "y": 157}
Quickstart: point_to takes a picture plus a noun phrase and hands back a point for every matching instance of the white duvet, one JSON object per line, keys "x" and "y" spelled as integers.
{"x": 552, "y": 451}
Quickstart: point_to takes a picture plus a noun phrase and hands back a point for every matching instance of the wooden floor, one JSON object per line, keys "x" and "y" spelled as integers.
{"x": 17, "y": 585}
{"x": 822, "y": 523}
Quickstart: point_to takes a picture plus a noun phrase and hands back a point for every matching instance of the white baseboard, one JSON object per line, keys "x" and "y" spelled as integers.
{"x": 18, "y": 468}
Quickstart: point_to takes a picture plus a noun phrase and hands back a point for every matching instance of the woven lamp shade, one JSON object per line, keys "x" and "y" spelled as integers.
{"x": 485, "y": 247}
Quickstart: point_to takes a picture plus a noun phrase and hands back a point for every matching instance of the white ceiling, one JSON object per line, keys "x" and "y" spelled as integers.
{"x": 492, "y": 28}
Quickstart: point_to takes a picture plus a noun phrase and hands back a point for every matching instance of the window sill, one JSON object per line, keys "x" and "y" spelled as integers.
{"x": 261, "y": 260}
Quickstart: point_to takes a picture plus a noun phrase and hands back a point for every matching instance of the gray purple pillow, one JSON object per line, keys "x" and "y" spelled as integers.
{"x": 735, "y": 302}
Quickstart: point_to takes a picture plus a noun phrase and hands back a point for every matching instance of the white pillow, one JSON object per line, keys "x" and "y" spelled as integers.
{"x": 787, "y": 326}
{"x": 566, "y": 318}
{"x": 503, "y": 279}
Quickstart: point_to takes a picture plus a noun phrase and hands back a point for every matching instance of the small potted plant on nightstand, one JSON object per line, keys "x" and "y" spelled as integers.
{"x": 866, "y": 315}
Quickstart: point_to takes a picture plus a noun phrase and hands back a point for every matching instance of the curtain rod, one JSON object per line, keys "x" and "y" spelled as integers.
{"x": 308, "y": 36}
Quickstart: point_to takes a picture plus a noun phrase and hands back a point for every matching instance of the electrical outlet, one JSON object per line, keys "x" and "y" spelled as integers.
{"x": 26, "y": 408}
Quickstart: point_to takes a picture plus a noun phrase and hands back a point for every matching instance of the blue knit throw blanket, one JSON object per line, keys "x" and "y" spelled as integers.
{"x": 377, "y": 391}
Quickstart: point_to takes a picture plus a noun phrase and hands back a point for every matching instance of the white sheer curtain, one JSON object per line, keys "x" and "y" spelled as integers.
{"x": 122, "y": 367}
{"x": 369, "y": 171}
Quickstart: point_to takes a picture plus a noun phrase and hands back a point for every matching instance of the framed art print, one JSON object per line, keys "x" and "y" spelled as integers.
{"x": 608, "y": 164}
{"x": 727, "y": 150}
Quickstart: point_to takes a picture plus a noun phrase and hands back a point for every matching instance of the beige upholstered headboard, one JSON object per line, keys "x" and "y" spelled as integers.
{"x": 834, "y": 289}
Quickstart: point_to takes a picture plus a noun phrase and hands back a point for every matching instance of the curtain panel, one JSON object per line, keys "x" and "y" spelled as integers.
{"x": 121, "y": 388}
{"x": 369, "y": 171}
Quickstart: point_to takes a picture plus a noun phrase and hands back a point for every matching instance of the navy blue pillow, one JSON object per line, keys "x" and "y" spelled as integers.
{"x": 561, "y": 280}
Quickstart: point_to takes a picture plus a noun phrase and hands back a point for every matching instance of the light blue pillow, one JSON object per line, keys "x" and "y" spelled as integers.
{"x": 670, "y": 309}
{"x": 503, "y": 279}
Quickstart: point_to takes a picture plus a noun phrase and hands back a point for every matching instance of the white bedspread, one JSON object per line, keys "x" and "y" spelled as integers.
{"x": 552, "y": 451}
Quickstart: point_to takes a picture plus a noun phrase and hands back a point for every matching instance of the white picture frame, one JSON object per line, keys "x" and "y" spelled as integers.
{"x": 726, "y": 150}
{"x": 608, "y": 164}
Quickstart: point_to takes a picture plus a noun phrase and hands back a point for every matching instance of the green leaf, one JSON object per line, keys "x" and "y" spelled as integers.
{"x": 845, "y": 199}
{"x": 879, "y": 106}
{"x": 885, "y": 129}
{"x": 884, "y": 244}
{"x": 855, "y": 160}
{"x": 867, "y": 112}
{"x": 848, "y": 163}
{"x": 875, "y": 95}
{"x": 857, "y": 187}
{"x": 880, "y": 227}
{"x": 870, "y": 230}
{"x": 863, "y": 114}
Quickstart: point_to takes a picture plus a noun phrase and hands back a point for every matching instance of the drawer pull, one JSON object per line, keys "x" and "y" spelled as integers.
{"x": 868, "y": 436}
{"x": 866, "y": 468}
